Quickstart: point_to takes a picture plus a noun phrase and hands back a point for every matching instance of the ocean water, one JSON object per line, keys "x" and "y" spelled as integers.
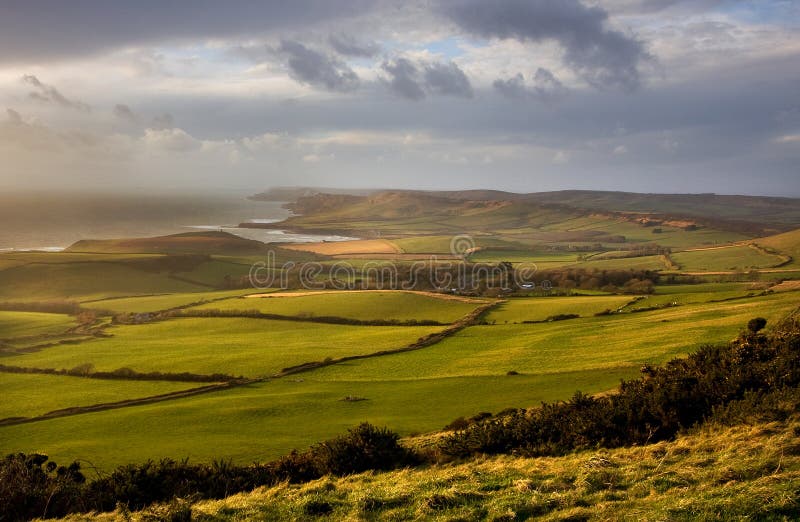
{"x": 52, "y": 221}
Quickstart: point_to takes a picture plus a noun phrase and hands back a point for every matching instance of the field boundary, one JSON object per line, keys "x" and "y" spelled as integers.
{"x": 104, "y": 406}
{"x": 470, "y": 319}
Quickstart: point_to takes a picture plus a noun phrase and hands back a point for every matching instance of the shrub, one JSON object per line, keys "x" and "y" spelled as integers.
{"x": 363, "y": 448}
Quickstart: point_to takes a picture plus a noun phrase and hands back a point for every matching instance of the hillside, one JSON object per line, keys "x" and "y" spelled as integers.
{"x": 568, "y": 216}
{"x": 787, "y": 243}
{"x": 744, "y": 472}
{"x": 210, "y": 242}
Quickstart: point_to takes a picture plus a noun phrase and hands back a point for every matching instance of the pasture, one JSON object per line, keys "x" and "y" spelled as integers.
{"x": 413, "y": 392}
{"x": 365, "y": 306}
{"x": 742, "y": 257}
{"x": 234, "y": 346}
{"x": 517, "y": 310}
{"x": 29, "y": 324}
{"x": 29, "y": 395}
{"x": 155, "y": 303}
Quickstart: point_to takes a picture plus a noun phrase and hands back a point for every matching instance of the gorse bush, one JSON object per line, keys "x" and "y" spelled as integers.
{"x": 30, "y": 486}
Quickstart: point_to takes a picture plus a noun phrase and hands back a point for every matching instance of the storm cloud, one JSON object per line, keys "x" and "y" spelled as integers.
{"x": 643, "y": 95}
{"x": 601, "y": 56}
{"x": 45, "y": 30}
{"x": 315, "y": 68}
{"x": 545, "y": 87}
{"x": 413, "y": 81}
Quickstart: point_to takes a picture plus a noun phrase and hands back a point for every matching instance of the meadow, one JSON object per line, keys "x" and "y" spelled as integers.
{"x": 726, "y": 258}
{"x": 364, "y": 306}
{"x": 29, "y": 395}
{"x": 28, "y": 324}
{"x": 155, "y": 303}
{"x": 413, "y": 392}
{"x": 234, "y": 346}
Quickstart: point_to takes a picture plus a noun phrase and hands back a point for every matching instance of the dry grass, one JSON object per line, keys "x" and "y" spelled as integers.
{"x": 741, "y": 473}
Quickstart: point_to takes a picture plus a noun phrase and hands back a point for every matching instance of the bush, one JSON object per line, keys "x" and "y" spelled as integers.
{"x": 31, "y": 486}
{"x": 363, "y": 448}
{"x": 756, "y": 324}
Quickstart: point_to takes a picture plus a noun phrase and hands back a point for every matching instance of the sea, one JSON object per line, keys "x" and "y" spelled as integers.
{"x": 51, "y": 221}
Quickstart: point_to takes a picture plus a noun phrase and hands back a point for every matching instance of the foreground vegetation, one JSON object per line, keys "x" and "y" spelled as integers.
{"x": 750, "y": 471}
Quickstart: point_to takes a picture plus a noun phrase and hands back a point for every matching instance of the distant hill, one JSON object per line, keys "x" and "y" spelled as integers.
{"x": 288, "y": 194}
{"x": 748, "y": 215}
{"x": 210, "y": 242}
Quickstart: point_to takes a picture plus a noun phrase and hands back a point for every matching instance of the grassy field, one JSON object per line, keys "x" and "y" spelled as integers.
{"x": 154, "y": 303}
{"x": 265, "y": 420}
{"x": 740, "y": 473}
{"x": 617, "y": 341}
{"x": 85, "y": 280}
{"x": 367, "y": 306}
{"x": 624, "y": 263}
{"x": 543, "y": 259}
{"x": 695, "y": 294}
{"x": 24, "y": 324}
{"x": 412, "y": 392}
{"x": 248, "y": 347}
{"x": 517, "y": 310}
{"x": 728, "y": 258}
{"x": 28, "y": 395}
{"x": 787, "y": 243}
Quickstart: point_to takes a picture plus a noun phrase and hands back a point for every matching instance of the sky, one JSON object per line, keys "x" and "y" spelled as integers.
{"x": 520, "y": 95}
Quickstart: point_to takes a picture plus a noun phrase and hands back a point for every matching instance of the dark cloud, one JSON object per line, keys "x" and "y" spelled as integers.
{"x": 546, "y": 87}
{"x": 603, "y": 57}
{"x": 163, "y": 122}
{"x": 411, "y": 81}
{"x": 44, "y": 30}
{"x": 349, "y": 46}
{"x": 513, "y": 87}
{"x": 49, "y": 94}
{"x": 14, "y": 117}
{"x": 404, "y": 79}
{"x": 447, "y": 78}
{"x": 124, "y": 112}
{"x": 317, "y": 69}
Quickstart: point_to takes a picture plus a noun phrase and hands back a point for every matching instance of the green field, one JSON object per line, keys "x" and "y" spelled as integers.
{"x": 413, "y": 392}
{"x": 586, "y": 344}
{"x": 28, "y": 395}
{"x": 517, "y": 310}
{"x": 265, "y": 420}
{"x": 366, "y": 306}
{"x": 85, "y": 280}
{"x": 248, "y": 347}
{"x": 25, "y": 324}
{"x": 787, "y": 243}
{"x": 154, "y": 303}
{"x": 728, "y": 258}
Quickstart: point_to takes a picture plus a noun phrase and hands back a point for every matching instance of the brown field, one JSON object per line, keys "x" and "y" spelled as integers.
{"x": 339, "y": 248}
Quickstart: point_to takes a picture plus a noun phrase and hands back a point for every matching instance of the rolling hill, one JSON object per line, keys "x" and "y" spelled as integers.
{"x": 211, "y": 242}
